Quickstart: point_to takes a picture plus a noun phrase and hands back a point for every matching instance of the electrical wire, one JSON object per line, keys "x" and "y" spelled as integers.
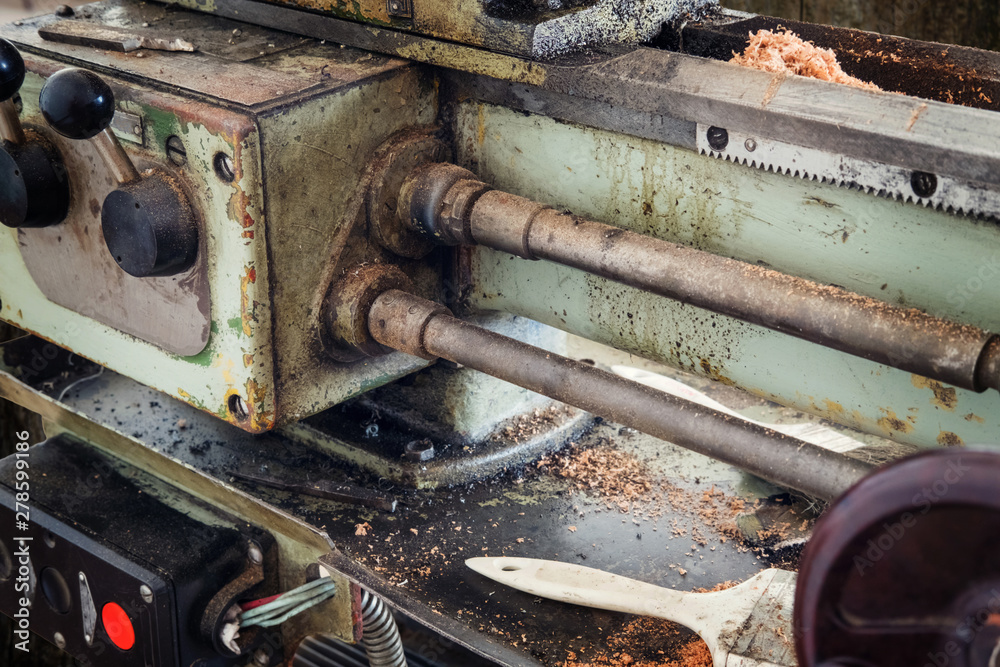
{"x": 266, "y": 613}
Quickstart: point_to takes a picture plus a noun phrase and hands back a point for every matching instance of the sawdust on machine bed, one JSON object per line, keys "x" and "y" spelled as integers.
{"x": 787, "y": 52}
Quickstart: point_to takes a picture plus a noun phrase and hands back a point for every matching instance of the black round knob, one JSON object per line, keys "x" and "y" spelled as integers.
{"x": 77, "y": 103}
{"x": 149, "y": 228}
{"x": 11, "y": 70}
{"x": 13, "y": 193}
{"x": 34, "y": 188}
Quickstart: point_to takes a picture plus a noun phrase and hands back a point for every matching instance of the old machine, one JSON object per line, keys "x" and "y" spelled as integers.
{"x": 324, "y": 299}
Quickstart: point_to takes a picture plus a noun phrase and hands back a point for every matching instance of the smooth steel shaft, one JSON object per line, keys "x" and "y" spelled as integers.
{"x": 451, "y": 205}
{"x": 10, "y": 124}
{"x": 115, "y": 157}
{"x": 408, "y": 323}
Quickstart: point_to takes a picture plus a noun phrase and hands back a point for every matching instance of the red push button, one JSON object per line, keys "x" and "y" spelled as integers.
{"x": 118, "y": 626}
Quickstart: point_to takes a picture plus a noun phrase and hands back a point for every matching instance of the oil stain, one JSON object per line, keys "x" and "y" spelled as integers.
{"x": 944, "y": 397}
{"x": 949, "y": 439}
{"x": 891, "y": 423}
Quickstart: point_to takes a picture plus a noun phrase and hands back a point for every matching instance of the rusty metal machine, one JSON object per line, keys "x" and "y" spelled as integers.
{"x": 311, "y": 292}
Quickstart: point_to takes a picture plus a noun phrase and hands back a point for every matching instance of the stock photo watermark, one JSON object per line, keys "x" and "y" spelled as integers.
{"x": 24, "y": 574}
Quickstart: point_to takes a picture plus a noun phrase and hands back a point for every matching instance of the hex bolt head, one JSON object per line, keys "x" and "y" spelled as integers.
{"x": 59, "y": 640}
{"x": 718, "y": 138}
{"x": 419, "y": 450}
{"x": 255, "y": 554}
{"x": 146, "y": 592}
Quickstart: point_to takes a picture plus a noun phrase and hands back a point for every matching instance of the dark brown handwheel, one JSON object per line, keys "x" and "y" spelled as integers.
{"x": 903, "y": 570}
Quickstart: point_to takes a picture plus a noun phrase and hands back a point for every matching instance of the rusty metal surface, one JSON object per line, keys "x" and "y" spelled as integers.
{"x": 284, "y": 174}
{"x": 392, "y": 163}
{"x": 530, "y": 29}
{"x": 408, "y": 323}
{"x": 345, "y": 310}
{"x": 239, "y": 73}
{"x": 901, "y": 131}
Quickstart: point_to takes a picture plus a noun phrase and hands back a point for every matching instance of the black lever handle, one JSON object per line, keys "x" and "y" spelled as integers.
{"x": 77, "y": 104}
{"x": 34, "y": 190}
{"x": 148, "y": 223}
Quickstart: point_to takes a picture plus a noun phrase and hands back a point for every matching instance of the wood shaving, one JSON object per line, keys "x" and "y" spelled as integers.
{"x": 658, "y": 636}
{"x": 361, "y": 529}
{"x": 786, "y": 52}
{"x": 612, "y": 474}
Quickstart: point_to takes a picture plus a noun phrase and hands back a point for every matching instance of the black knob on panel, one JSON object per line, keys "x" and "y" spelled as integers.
{"x": 34, "y": 188}
{"x": 149, "y": 228}
{"x": 11, "y": 70}
{"x": 77, "y": 104}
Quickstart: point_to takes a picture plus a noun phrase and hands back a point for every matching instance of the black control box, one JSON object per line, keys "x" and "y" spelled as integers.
{"x": 119, "y": 568}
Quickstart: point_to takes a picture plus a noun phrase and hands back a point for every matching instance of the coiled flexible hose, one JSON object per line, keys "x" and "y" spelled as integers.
{"x": 380, "y": 635}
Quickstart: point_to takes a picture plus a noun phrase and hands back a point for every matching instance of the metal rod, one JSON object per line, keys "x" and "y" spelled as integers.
{"x": 408, "y": 323}
{"x": 10, "y": 124}
{"x": 115, "y": 157}
{"x": 451, "y": 205}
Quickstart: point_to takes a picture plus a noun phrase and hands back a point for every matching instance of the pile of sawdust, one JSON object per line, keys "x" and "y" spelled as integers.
{"x": 693, "y": 654}
{"x": 606, "y": 471}
{"x": 787, "y": 52}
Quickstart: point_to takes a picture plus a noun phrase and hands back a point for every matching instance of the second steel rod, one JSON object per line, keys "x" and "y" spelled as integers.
{"x": 408, "y": 323}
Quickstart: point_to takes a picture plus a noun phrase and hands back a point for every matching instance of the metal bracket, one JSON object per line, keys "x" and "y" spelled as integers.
{"x": 129, "y": 127}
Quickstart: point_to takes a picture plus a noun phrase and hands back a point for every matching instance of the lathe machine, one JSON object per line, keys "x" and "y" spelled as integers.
{"x": 298, "y": 277}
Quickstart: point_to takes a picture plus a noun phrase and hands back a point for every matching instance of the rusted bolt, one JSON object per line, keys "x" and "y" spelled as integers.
{"x": 64, "y": 11}
{"x": 718, "y": 138}
{"x": 750, "y": 145}
{"x": 923, "y": 183}
{"x": 419, "y": 450}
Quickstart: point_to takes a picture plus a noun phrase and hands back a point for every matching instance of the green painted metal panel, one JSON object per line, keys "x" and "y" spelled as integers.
{"x": 898, "y": 252}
